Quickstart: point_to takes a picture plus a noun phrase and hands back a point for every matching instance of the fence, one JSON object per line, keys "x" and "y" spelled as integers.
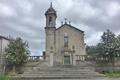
{"x": 100, "y": 63}
{"x": 35, "y": 58}
{"x": 94, "y": 58}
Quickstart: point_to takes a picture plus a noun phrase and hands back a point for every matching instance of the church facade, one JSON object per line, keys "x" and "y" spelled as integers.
{"x": 63, "y": 44}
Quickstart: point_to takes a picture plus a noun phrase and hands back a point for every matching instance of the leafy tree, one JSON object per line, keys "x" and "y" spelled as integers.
{"x": 108, "y": 41}
{"x": 118, "y": 46}
{"x": 91, "y": 50}
{"x": 100, "y": 48}
{"x": 17, "y": 52}
{"x": 109, "y": 46}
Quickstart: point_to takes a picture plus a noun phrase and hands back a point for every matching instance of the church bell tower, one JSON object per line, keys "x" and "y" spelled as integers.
{"x": 50, "y": 17}
{"x": 50, "y": 32}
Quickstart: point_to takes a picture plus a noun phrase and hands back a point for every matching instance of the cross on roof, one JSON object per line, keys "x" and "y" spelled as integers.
{"x": 51, "y": 4}
{"x": 69, "y": 22}
{"x": 65, "y": 20}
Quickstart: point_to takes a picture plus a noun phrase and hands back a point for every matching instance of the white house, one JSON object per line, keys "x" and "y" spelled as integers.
{"x": 3, "y": 44}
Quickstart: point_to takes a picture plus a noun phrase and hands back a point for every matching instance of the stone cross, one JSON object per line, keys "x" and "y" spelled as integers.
{"x": 61, "y": 22}
{"x": 69, "y": 22}
{"x": 65, "y": 20}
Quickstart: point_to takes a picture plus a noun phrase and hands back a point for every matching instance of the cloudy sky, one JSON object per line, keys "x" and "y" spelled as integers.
{"x": 25, "y": 18}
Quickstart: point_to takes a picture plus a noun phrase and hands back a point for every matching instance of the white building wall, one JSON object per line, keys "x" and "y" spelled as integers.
{"x": 0, "y": 52}
{"x": 3, "y": 44}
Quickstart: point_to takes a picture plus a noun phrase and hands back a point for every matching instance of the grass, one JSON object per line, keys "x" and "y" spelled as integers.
{"x": 2, "y": 77}
{"x": 112, "y": 74}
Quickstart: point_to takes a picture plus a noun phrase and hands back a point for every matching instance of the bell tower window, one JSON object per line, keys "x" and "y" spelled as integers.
{"x": 50, "y": 20}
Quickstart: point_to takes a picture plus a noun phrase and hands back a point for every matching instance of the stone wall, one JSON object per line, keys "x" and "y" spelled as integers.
{"x": 99, "y": 63}
{"x": 75, "y": 39}
{"x": 3, "y": 44}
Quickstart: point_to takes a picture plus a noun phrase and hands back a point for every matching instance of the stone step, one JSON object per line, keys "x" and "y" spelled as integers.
{"x": 61, "y": 73}
{"x": 80, "y": 74}
{"x": 65, "y": 67}
{"x": 62, "y": 69}
{"x": 61, "y": 78}
{"x": 37, "y": 78}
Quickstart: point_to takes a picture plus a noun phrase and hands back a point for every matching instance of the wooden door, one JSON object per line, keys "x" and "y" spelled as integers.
{"x": 66, "y": 60}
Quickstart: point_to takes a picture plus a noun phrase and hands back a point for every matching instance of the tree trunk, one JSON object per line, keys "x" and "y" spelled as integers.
{"x": 13, "y": 70}
{"x": 113, "y": 63}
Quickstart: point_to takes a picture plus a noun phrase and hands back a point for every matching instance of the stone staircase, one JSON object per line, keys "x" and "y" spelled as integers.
{"x": 61, "y": 73}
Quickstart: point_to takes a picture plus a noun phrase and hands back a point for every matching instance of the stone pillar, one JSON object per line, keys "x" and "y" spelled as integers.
{"x": 73, "y": 55}
{"x": 0, "y": 64}
{"x": 51, "y": 58}
{"x": 44, "y": 55}
{"x": 74, "y": 60}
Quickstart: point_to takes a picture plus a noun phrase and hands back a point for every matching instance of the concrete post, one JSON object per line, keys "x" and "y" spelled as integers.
{"x": 51, "y": 59}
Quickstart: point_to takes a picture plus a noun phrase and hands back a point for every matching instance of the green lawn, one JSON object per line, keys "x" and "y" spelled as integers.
{"x": 112, "y": 74}
{"x": 4, "y": 78}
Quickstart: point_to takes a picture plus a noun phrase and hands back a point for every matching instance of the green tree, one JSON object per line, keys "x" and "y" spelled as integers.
{"x": 111, "y": 45}
{"x": 17, "y": 52}
{"x": 91, "y": 50}
{"x": 118, "y": 46}
{"x": 108, "y": 42}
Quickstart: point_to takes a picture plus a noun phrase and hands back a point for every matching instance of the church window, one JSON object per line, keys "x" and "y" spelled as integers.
{"x": 65, "y": 41}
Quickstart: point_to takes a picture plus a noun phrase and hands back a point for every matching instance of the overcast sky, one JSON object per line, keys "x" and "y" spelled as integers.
{"x": 25, "y": 18}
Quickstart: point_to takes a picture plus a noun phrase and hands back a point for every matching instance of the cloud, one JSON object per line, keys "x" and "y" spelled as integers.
{"x": 25, "y": 18}
{"x": 6, "y": 10}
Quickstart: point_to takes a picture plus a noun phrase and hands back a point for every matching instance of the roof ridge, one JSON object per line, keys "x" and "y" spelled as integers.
{"x": 70, "y": 26}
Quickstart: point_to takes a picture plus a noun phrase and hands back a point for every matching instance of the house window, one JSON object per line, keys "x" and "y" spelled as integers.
{"x": 65, "y": 41}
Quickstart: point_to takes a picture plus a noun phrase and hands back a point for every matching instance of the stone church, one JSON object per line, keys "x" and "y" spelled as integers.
{"x": 63, "y": 44}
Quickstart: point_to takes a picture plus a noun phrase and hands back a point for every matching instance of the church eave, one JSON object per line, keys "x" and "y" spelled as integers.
{"x": 70, "y": 26}
{"x": 2, "y": 37}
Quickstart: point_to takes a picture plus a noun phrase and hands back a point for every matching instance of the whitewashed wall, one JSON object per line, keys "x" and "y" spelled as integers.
{"x": 3, "y": 44}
